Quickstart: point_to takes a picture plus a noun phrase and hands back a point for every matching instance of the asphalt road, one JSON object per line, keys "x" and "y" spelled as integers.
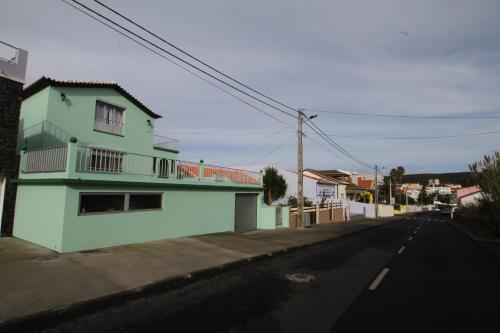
{"x": 441, "y": 279}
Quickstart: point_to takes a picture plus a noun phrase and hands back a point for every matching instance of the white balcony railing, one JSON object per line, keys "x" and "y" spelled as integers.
{"x": 96, "y": 160}
{"x": 51, "y": 159}
{"x": 108, "y": 126}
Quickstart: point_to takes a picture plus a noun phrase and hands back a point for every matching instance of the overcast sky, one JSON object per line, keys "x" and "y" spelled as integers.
{"x": 397, "y": 57}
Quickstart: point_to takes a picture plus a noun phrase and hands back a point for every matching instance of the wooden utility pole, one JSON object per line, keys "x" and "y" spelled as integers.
{"x": 300, "y": 173}
{"x": 390, "y": 190}
{"x": 376, "y": 191}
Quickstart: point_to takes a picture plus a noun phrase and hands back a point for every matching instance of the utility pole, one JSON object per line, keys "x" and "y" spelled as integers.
{"x": 376, "y": 191}
{"x": 390, "y": 191}
{"x": 300, "y": 172}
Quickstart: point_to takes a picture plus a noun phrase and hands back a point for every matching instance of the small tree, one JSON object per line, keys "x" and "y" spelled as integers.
{"x": 274, "y": 185}
{"x": 292, "y": 202}
{"x": 486, "y": 174}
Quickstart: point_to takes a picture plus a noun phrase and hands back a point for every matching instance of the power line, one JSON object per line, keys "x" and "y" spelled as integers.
{"x": 415, "y": 137}
{"x": 191, "y": 56}
{"x": 178, "y": 65}
{"x": 334, "y": 144}
{"x": 402, "y": 116}
{"x": 327, "y": 139}
{"x": 342, "y": 135}
{"x": 180, "y": 59}
{"x": 252, "y": 144}
{"x": 275, "y": 149}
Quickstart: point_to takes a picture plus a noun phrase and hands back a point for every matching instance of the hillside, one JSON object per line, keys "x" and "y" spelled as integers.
{"x": 462, "y": 178}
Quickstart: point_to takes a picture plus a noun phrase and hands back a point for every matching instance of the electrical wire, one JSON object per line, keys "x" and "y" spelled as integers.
{"x": 322, "y": 134}
{"x": 384, "y": 115}
{"x": 309, "y": 123}
{"x": 416, "y": 137}
{"x": 180, "y": 59}
{"x": 192, "y": 56}
{"x": 179, "y": 65}
{"x": 273, "y": 150}
{"x": 254, "y": 144}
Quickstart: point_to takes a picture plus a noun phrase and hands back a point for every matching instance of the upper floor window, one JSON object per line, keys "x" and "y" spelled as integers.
{"x": 108, "y": 118}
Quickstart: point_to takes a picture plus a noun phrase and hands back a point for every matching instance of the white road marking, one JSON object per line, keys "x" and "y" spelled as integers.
{"x": 415, "y": 232}
{"x": 401, "y": 249}
{"x": 378, "y": 279}
{"x": 410, "y": 238}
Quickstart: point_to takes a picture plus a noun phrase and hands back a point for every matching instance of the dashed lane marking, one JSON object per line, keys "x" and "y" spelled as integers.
{"x": 401, "y": 249}
{"x": 410, "y": 238}
{"x": 378, "y": 279}
{"x": 415, "y": 232}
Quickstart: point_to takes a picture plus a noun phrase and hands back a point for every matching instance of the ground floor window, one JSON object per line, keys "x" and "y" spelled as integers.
{"x": 119, "y": 202}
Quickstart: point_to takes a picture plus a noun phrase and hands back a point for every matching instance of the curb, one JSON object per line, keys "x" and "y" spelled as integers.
{"x": 476, "y": 240}
{"x": 75, "y": 310}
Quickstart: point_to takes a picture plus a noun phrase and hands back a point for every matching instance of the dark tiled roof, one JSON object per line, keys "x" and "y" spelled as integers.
{"x": 44, "y": 82}
{"x": 326, "y": 175}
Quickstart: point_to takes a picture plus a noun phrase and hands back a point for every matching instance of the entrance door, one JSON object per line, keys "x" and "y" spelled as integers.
{"x": 245, "y": 213}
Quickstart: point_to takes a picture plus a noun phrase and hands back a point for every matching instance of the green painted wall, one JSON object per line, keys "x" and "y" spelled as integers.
{"x": 75, "y": 117}
{"x": 33, "y": 113}
{"x": 184, "y": 213}
{"x": 40, "y": 214}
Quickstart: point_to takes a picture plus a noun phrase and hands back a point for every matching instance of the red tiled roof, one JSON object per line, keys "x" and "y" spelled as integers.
{"x": 366, "y": 184}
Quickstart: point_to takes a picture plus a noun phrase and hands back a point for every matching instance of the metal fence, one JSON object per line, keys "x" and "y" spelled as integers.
{"x": 95, "y": 159}
{"x": 166, "y": 143}
{"x": 102, "y": 160}
{"x": 235, "y": 175}
{"x": 52, "y": 159}
{"x": 188, "y": 170}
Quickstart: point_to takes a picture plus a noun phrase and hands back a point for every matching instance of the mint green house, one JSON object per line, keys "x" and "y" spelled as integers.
{"x": 92, "y": 176}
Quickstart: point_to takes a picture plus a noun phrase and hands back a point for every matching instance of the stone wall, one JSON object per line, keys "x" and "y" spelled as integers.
{"x": 10, "y": 106}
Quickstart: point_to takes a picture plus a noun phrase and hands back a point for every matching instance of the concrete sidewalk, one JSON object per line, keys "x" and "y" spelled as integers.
{"x": 36, "y": 281}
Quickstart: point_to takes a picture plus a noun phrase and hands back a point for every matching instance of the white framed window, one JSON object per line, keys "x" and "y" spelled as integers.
{"x": 108, "y": 118}
{"x": 91, "y": 203}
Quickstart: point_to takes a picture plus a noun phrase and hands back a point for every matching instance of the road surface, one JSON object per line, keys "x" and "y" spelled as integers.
{"x": 416, "y": 274}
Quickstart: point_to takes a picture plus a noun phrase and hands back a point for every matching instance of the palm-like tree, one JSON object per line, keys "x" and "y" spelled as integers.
{"x": 396, "y": 175}
{"x": 274, "y": 185}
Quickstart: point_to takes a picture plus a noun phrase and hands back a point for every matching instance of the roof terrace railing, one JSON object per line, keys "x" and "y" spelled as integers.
{"x": 166, "y": 143}
{"x": 99, "y": 160}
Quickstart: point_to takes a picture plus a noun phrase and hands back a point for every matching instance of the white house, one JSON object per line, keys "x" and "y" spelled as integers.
{"x": 315, "y": 187}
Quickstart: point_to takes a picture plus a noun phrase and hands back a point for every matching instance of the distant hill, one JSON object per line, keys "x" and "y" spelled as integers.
{"x": 462, "y": 178}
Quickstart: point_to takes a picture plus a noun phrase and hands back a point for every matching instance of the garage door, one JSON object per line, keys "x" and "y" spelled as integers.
{"x": 245, "y": 214}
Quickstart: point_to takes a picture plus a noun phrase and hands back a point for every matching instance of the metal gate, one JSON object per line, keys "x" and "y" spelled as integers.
{"x": 245, "y": 213}
{"x": 279, "y": 216}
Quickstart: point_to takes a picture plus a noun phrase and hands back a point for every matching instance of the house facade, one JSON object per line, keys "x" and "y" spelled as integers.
{"x": 316, "y": 187}
{"x": 91, "y": 176}
{"x": 12, "y": 75}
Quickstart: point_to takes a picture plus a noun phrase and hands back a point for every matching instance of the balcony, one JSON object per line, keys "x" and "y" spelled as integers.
{"x": 164, "y": 143}
{"x": 75, "y": 161}
{"x": 108, "y": 126}
{"x": 13, "y": 62}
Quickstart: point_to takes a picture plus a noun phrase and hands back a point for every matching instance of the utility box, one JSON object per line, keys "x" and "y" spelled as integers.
{"x": 307, "y": 220}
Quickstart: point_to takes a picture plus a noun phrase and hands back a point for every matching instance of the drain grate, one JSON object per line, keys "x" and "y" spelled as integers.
{"x": 300, "y": 277}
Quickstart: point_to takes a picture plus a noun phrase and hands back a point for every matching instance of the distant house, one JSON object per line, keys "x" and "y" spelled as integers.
{"x": 316, "y": 187}
{"x": 92, "y": 176}
{"x": 469, "y": 196}
{"x": 353, "y": 191}
{"x": 12, "y": 75}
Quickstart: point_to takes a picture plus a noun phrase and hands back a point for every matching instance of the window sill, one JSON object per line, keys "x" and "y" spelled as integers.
{"x": 111, "y": 133}
{"x": 121, "y": 211}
